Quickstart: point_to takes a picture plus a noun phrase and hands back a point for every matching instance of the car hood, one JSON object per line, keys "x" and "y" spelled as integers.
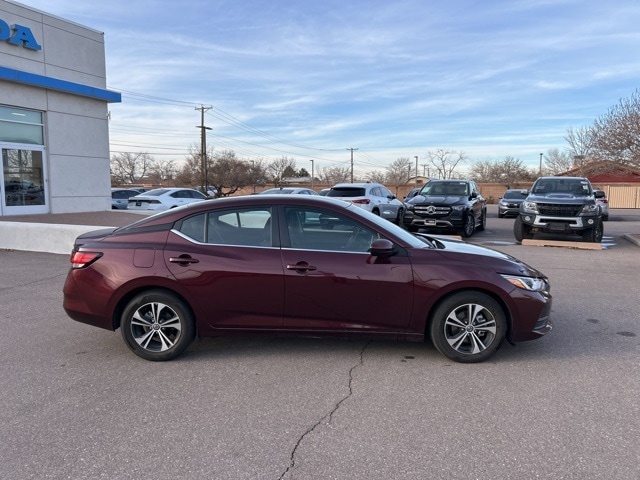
{"x": 559, "y": 198}
{"x": 460, "y": 251}
{"x": 439, "y": 199}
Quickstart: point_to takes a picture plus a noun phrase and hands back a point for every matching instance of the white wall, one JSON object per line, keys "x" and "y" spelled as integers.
{"x": 76, "y": 127}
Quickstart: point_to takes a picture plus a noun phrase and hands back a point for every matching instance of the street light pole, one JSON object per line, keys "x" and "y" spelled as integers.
{"x": 540, "y": 172}
{"x": 416, "y": 182}
{"x": 312, "y": 165}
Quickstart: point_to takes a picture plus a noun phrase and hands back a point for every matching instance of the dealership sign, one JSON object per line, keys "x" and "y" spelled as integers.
{"x": 18, "y": 35}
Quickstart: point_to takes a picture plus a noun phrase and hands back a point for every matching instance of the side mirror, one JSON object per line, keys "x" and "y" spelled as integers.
{"x": 599, "y": 194}
{"x": 381, "y": 247}
{"x": 524, "y": 192}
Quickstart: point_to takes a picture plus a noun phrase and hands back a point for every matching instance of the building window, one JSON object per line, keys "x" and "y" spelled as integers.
{"x": 21, "y": 126}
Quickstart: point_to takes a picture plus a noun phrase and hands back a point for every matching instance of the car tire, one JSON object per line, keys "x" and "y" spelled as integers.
{"x": 400, "y": 217}
{"x": 595, "y": 234}
{"x": 521, "y": 231}
{"x": 469, "y": 225}
{"x": 468, "y": 327}
{"x": 483, "y": 221}
{"x": 157, "y": 325}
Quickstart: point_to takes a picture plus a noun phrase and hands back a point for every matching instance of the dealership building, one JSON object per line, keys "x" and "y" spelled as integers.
{"x": 54, "y": 132}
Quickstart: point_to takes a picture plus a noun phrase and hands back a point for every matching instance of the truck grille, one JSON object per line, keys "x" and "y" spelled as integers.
{"x": 555, "y": 210}
{"x": 431, "y": 210}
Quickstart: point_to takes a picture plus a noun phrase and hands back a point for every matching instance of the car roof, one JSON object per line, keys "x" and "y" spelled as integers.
{"x": 360, "y": 185}
{"x": 170, "y": 216}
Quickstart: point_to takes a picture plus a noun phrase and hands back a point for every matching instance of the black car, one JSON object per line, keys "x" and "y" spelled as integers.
{"x": 509, "y": 203}
{"x": 447, "y": 205}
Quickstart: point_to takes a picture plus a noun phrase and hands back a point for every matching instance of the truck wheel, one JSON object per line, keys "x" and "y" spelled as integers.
{"x": 521, "y": 231}
{"x": 594, "y": 234}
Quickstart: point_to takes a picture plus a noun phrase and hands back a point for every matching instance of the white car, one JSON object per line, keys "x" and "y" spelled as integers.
{"x": 161, "y": 199}
{"x": 289, "y": 191}
{"x": 373, "y": 197}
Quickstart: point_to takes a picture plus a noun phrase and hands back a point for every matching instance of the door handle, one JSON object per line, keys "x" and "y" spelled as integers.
{"x": 301, "y": 267}
{"x": 183, "y": 260}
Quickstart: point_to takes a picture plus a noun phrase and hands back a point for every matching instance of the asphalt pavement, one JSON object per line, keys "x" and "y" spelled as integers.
{"x": 77, "y": 404}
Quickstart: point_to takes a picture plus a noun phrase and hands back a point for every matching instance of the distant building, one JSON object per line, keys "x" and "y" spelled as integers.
{"x": 54, "y": 133}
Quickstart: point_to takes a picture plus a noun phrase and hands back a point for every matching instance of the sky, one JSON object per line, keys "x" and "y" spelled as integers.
{"x": 311, "y": 80}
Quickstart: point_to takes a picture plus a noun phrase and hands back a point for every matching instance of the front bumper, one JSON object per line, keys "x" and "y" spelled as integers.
{"x": 548, "y": 223}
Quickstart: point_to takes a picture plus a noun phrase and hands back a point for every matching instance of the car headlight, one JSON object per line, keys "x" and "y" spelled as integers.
{"x": 458, "y": 208}
{"x": 530, "y": 207}
{"x": 527, "y": 283}
{"x": 590, "y": 208}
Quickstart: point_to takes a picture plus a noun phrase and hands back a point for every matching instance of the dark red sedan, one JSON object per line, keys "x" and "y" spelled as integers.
{"x": 297, "y": 264}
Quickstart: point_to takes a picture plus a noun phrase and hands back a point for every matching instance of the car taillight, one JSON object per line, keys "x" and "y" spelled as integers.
{"x": 83, "y": 259}
{"x": 604, "y": 200}
{"x": 364, "y": 201}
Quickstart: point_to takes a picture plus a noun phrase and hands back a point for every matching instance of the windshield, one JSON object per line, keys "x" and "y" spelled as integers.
{"x": 513, "y": 194}
{"x": 561, "y": 185}
{"x": 445, "y": 188}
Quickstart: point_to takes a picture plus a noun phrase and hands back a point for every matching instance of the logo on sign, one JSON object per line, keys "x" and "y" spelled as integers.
{"x": 18, "y": 35}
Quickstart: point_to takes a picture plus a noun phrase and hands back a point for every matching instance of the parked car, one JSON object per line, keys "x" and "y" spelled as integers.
{"x": 255, "y": 264}
{"x": 373, "y": 197}
{"x": 447, "y": 205}
{"x": 560, "y": 206}
{"x": 324, "y": 191}
{"x": 120, "y": 197}
{"x": 412, "y": 193}
{"x": 509, "y": 202}
{"x": 289, "y": 191}
{"x": 161, "y": 199}
{"x": 603, "y": 202}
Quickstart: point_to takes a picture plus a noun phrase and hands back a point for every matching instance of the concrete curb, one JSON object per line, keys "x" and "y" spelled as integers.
{"x": 41, "y": 237}
{"x": 633, "y": 238}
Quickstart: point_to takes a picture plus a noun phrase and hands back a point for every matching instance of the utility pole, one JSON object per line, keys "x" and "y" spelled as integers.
{"x": 352, "y": 150}
{"x": 203, "y": 147}
{"x": 312, "y": 165}
{"x": 416, "y": 182}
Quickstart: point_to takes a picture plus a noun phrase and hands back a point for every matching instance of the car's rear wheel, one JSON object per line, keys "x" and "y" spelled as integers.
{"x": 520, "y": 230}
{"x": 157, "y": 325}
{"x": 483, "y": 221}
{"x": 468, "y": 327}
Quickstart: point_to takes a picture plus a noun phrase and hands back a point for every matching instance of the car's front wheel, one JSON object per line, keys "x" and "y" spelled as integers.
{"x": 469, "y": 225}
{"x": 157, "y": 325}
{"x": 468, "y": 327}
{"x": 594, "y": 234}
{"x": 521, "y": 231}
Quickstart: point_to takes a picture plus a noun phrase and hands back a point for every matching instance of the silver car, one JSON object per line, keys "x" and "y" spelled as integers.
{"x": 374, "y": 197}
{"x": 603, "y": 203}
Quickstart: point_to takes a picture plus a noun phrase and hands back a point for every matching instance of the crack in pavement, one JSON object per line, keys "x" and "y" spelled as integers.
{"x": 292, "y": 462}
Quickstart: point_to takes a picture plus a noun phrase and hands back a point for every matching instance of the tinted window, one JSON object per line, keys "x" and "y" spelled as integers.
{"x": 230, "y": 227}
{"x": 346, "y": 192}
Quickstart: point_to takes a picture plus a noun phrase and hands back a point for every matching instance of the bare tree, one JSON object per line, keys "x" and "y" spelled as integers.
{"x": 163, "y": 172}
{"x": 228, "y": 174}
{"x": 399, "y": 172}
{"x": 508, "y": 171}
{"x": 333, "y": 175}
{"x": 446, "y": 161}
{"x": 278, "y": 168}
{"x": 580, "y": 142}
{"x": 129, "y": 167}
{"x": 376, "y": 176}
{"x": 557, "y": 162}
{"x": 616, "y": 134}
